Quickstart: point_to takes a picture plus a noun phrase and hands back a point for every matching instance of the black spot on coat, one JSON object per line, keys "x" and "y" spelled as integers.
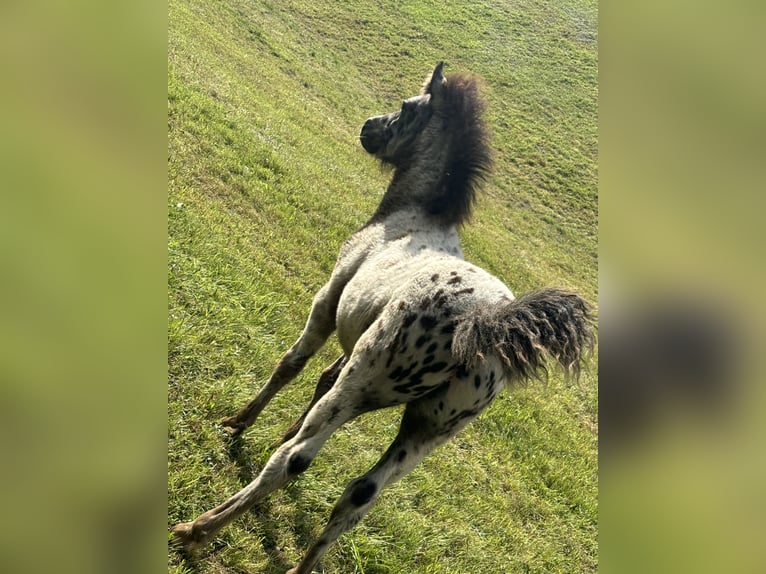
{"x": 363, "y": 491}
{"x": 298, "y": 463}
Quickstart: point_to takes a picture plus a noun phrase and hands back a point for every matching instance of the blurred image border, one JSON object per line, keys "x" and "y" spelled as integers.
{"x": 84, "y": 294}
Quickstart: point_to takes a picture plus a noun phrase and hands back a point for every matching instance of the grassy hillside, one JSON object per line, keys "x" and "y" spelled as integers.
{"x": 267, "y": 178}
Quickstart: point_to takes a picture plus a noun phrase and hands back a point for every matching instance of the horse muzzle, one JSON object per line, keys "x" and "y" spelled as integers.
{"x": 371, "y": 136}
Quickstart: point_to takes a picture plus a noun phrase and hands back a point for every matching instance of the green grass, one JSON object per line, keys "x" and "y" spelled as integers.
{"x": 267, "y": 178}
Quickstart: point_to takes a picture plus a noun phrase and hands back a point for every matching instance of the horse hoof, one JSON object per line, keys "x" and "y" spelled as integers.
{"x": 232, "y": 426}
{"x": 184, "y": 537}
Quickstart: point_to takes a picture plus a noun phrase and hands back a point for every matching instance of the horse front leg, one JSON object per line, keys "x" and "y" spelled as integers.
{"x": 320, "y": 325}
{"x": 326, "y": 381}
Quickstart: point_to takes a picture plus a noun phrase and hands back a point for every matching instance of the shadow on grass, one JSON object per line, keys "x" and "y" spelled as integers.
{"x": 241, "y": 455}
{"x": 302, "y": 527}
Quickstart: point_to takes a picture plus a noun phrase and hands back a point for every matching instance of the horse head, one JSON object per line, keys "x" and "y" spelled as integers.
{"x": 392, "y": 137}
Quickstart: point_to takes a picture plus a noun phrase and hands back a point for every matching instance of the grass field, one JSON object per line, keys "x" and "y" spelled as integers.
{"x": 267, "y": 178}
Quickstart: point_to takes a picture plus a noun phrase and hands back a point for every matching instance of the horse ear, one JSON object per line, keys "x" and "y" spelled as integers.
{"x": 436, "y": 81}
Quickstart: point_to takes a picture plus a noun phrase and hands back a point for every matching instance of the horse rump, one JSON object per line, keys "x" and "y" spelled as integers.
{"x": 528, "y": 332}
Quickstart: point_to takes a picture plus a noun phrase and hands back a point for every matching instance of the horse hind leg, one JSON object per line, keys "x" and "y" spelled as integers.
{"x": 326, "y": 381}
{"x": 362, "y": 492}
{"x": 336, "y": 407}
{"x": 320, "y": 325}
{"x": 427, "y": 423}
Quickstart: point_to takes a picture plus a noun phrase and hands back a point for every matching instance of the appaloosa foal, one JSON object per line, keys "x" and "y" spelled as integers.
{"x": 417, "y": 323}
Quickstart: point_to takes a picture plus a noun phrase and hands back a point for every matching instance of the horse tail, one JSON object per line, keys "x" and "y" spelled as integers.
{"x": 527, "y": 332}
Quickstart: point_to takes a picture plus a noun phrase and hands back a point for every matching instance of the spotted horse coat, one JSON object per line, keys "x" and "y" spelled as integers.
{"x": 417, "y": 323}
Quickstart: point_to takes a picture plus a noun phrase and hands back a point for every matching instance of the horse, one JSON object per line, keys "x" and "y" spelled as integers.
{"x": 418, "y": 325}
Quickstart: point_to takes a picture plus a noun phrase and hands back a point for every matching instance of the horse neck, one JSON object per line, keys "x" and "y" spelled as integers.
{"x": 416, "y": 183}
{"x": 421, "y": 179}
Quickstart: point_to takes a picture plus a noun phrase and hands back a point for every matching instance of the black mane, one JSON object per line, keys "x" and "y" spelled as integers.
{"x": 469, "y": 154}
